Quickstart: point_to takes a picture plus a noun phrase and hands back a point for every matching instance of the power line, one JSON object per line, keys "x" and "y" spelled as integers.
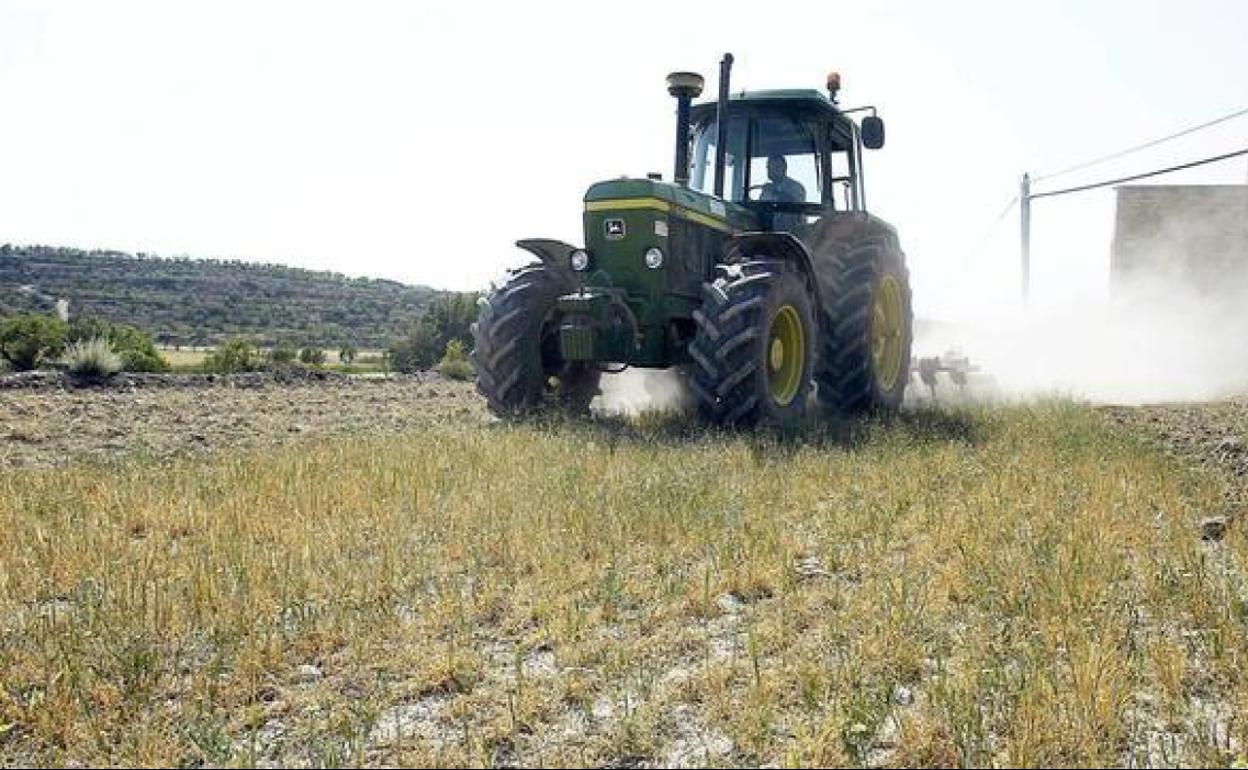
{"x": 1146, "y": 145}
{"x": 991, "y": 231}
{"x": 1005, "y": 211}
{"x": 1145, "y": 175}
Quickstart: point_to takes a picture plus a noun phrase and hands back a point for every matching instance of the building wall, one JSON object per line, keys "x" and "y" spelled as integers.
{"x": 1196, "y": 235}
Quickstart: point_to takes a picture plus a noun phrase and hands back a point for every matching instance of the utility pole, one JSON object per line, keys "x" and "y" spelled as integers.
{"x": 1024, "y": 246}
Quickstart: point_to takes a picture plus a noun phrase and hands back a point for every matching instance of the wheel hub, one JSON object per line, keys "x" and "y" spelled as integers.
{"x": 887, "y": 322}
{"x": 786, "y": 355}
{"x": 777, "y": 355}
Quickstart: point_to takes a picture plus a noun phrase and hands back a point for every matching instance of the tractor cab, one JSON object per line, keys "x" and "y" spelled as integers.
{"x": 791, "y": 156}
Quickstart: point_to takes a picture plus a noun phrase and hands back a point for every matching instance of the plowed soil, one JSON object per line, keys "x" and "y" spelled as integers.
{"x": 50, "y": 422}
{"x": 1212, "y": 436}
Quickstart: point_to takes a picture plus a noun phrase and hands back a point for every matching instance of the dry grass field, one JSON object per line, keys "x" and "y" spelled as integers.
{"x": 1024, "y": 586}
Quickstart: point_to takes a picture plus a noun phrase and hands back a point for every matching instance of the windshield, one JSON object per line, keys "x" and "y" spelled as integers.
{"x": 784, "y": 165}
{"x": 781, "y": 165}
{"x": 702, "y": 174}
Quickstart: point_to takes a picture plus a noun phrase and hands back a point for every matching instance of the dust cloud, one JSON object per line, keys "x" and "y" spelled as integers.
{"x": 1155, "y": 339}
{"x": 634, "y": 391}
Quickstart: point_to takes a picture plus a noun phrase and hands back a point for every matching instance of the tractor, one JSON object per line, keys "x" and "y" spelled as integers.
{"x": 756, "y": 271}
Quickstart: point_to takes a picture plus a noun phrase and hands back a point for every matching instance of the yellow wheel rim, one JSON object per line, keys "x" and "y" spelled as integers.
{"x": 887, "y": 322}
{"x": 786, "y": 355}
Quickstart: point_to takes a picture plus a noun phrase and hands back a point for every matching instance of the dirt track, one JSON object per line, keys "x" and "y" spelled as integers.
{"x": 1214, "y": 435}
{"x": 48, "y": 424}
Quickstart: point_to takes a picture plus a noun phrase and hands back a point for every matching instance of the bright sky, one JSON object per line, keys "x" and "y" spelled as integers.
{"x": 418, "y": 141}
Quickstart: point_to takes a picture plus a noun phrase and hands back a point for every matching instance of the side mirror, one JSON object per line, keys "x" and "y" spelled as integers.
{"x": 872, "y": 132}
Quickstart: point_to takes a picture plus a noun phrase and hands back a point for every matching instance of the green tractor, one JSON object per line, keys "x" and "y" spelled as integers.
{"x": 757, "y": 271}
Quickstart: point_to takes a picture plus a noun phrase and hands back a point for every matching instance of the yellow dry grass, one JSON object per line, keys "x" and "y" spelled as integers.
{"x": 1023, "y": 586}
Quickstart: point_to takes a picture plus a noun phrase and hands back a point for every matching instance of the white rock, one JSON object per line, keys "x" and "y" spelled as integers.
{"x": 307, "y": 674}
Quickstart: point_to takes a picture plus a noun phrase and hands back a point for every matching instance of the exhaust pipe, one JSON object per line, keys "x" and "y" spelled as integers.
{"x": 721, "y": 119}
{"x": 685, "y": 86}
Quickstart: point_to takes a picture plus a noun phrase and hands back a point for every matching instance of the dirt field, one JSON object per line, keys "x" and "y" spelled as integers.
{"x": 50, "y": 426}
{"x": 1208, "y": 435}
{"x": 44, "y": 427}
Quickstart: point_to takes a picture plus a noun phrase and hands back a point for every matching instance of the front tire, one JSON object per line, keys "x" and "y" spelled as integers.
{"x": 515, "y": 351}
{"x": 753, "y": 355}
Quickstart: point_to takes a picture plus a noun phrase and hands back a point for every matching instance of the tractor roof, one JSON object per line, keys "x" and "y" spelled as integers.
{"x": 806, "y": 101}
{"x": 783, "y": 98}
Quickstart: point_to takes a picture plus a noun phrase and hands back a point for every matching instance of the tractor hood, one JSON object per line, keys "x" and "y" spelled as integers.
{"x": 667, "y": 197}
{"x": 651, "y": 244}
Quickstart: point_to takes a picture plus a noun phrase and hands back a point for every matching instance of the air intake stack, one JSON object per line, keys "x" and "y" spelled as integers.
{"x": 685, "y": 86}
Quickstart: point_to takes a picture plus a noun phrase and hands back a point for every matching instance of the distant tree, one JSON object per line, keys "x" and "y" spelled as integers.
{"x": 450, "y": 317}
{"x": 28, "y": 340}
{"x": 414, "y": 351}
{"x": 233, "y": 355}
{"x": 312, "y": 356}
{"x": 347, "y": 354}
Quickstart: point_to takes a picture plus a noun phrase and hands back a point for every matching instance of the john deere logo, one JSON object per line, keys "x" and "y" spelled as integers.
{"x": 615, "y": 229}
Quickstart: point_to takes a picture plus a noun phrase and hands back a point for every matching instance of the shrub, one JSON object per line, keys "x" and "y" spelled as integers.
{"x": 28, "y": 340}
{"x": 312, "y": 356}
{"x": 134, "y": 346}
{"x": 142, "y": 361}
{"x": 454, "y": 363}
{"x": 283, "y": 353}
{"x": 347, "y": 354}
{"x": 234, "y": 355}
{"x": 92, "y": 359}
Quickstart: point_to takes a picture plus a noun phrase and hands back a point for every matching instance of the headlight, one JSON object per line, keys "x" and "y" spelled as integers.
{"x": 654, "y": 258}
{"x": 579, "y": 260}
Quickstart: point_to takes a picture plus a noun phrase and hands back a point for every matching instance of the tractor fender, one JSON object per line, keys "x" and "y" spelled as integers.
{"x": 553, "y": 253}
{"x": 842, "y": 230}
{"x": 773, "y": 245}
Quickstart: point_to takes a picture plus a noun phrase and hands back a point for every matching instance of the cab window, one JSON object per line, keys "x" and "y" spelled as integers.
{"x": 702, "y": 172}
{"x": 842, "y": 180}
{"x": 784, "y": 161}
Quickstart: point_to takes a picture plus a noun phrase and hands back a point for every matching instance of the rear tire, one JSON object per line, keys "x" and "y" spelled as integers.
{"x": 753, "y": 355}
{"x": 868, "y": 321}
{"x": 516, "y": 348}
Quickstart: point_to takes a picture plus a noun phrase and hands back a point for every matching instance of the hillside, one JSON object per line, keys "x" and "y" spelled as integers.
{"x": 184, "y": 301}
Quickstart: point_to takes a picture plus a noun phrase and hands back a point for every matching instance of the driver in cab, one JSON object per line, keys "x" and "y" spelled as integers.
{"x": 781, "y": 189}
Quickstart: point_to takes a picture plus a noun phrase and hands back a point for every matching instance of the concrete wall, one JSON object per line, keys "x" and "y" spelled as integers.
{"x": 1196, "y": 235}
